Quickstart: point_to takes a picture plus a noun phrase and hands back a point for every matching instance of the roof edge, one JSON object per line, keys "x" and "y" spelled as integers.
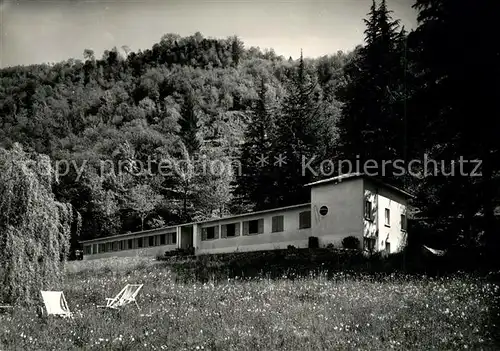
{"x": 151, "y": 231}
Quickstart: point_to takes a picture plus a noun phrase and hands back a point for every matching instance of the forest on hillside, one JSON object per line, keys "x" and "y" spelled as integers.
{"x": 400, "y": 95}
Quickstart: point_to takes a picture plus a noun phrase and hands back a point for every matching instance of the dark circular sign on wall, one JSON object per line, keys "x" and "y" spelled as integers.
{"x": 323, "y": 210}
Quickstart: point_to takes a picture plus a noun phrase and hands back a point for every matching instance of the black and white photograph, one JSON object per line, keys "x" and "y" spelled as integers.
{"x": 249, "y": 175}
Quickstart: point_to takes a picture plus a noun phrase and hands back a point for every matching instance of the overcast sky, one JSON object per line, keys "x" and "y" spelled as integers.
{"x": 39, "y": 31}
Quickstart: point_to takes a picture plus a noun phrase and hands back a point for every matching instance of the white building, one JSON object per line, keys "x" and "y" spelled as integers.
{"x": 348, "y": 205}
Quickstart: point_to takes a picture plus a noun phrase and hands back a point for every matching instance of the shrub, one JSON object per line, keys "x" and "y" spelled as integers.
{"x": 350, "y": 242}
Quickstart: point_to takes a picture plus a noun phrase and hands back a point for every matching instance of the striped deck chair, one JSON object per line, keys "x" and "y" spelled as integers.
{"x": 55, "y": 303}
{"x": 126, "y": 296}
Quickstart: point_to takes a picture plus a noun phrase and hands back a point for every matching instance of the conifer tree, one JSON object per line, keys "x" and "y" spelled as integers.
{"x": 457, "y": 103}
{"x": 254, "y": 187}
{"x": 296, "y": 142}
{"x": 371, "y": 125}
{"x": 189, "y": 125}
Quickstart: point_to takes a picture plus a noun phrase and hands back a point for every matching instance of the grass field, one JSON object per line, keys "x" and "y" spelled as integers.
{"x": 309, "y": 313}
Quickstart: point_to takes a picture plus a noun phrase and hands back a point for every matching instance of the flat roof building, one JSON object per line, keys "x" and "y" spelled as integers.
{"x": 348, "y": 205}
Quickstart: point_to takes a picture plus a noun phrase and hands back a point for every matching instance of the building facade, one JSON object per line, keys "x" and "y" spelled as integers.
{"x": 348, "y": 205}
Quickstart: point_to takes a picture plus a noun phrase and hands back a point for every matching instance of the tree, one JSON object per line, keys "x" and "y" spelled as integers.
{"x": 371, "y": 126}
{"x": 462, "y": 122}
{"x": 236, "y": 50}
{"x": 297, "y": 128}
{"x": 254, "y": 187}
{"x": 189, "y": 125}
{"x": 143, "y": 200}
{"x": 35, "y": 229}
{"x": 88, "y": 55}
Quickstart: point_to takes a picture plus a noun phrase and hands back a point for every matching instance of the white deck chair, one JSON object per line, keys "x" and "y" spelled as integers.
{"x": 126, "y": 296}
{"x": 434, "y": 251}
{"x": 55, "y": 303}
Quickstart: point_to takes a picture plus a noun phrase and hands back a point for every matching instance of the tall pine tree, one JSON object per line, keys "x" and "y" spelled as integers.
{"x": 189, "y": 124}
{"x": 457, "y": 101}
{"x": 296, "y": 142}
{"x": 254, "y": 187}
{"x": 372, "y": 123}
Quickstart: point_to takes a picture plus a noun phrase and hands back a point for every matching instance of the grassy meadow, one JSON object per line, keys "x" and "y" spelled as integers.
{"x": 346, "y": 312}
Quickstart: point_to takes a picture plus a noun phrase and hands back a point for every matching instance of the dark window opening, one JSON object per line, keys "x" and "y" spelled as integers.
{"x": 231, "y": 229}
{"x": 403, "y": 222}
{"x": 278, "y": 224}
{"x": 369, "y": 244}
{"x": 305, "y": 220}
{"x": 253, "y": 227}
{"x": 211, "y": 233}
{"x": 368, "y": 210}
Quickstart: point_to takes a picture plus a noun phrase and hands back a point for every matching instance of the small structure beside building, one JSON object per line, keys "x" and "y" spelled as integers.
{"x": 348, "y": 205}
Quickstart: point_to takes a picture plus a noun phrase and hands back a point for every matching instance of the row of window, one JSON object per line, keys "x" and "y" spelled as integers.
{"x": 130, "y": 244}
{"x": 387, "y": 216}
{"x": 253, "y": 227}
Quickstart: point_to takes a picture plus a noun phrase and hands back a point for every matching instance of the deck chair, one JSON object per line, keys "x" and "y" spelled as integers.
{"x": 126, "y": 296}
{"x": 55, "y": 303}
{"x": 434, "y": 251}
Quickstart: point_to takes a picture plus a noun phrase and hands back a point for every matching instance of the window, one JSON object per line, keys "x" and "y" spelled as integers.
{"x": 211, "y": 233}
{"x": 130, "y": 244}
{"x": 230, "y": 230}
{"x": 305, "y": 220}
{"x": 403, "y": 222}
{"x": 369, "y": 244}
{"x": 102, "y": 248}
{"x": 278, "y": 224}
{"x": 387, "y": 247}
{"x": 323, "y": 210}
{"x": 94, "y": 248}
{"x": 163, "y": 239}
{"x": 151, "y": 241}
{"x": 139, "y": 243}
{"x": 115, "y": 245}
{"x": 108, "y": 247}
{"x": 87, "y": 249}
{"x": 254, "y": 226}
{"x": 387, "y": 217}
{"x": 170, "y": 238}
{"x": 368, "y": 210}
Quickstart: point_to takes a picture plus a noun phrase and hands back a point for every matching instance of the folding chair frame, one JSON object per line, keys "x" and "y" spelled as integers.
{"x": 110, "y": 301}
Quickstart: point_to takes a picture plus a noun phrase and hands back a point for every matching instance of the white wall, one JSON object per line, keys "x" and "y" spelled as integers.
{"x": 135, "y": 250}
{"x": 382, "y": 198}
{"x": 345, "y": 211}
{"x": 148, "y": 251}
{"x": 267, "y": 240}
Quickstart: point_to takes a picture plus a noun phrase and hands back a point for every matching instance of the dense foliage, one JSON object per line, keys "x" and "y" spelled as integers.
{"x": 187, "y": 101}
